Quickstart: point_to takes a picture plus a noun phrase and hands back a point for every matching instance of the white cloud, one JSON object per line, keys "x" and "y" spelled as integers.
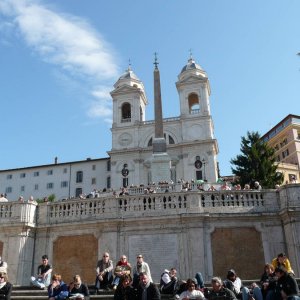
{"x": 67, "y": 42}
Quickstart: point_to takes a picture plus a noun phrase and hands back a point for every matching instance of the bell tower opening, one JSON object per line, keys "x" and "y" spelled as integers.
{"x": 126, "y": 112}
{"x": 194, "y": 103}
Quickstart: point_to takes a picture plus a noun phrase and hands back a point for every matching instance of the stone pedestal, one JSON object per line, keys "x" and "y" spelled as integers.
{"x": 160, "y": 167}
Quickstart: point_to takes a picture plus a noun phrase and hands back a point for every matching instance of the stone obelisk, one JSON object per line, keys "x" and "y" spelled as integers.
{"x": 160, "y": 162}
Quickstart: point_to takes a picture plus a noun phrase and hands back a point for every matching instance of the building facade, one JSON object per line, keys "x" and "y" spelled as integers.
{"x": 284, "y": 138}
{"x": 191, "y": 144}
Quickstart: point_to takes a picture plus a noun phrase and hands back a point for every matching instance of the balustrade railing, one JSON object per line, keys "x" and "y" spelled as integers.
{"x": 166, "y": 201}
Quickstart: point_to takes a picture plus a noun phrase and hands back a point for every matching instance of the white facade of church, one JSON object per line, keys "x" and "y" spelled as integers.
{"x": 191, "y": 144}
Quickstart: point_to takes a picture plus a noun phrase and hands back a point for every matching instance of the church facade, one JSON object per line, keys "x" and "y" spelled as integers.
{"x": 191, "y": 144}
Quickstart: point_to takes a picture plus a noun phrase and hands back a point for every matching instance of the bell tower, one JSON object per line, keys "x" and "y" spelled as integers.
{"x": 129, "y": 106}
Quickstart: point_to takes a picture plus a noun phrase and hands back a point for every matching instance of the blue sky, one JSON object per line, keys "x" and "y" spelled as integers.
{"x": 59, "y": 59}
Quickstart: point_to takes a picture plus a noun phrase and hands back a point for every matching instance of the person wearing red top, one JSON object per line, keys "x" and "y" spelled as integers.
{"x": 123, "y": 267}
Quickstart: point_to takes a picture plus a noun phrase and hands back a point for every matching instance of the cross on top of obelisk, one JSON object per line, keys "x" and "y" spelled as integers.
{"x": 155, "y": 60}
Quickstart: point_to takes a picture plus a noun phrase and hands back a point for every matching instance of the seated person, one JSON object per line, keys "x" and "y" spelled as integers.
{"x": 147, "y": 289}
{"x": 191, "y": 292}
{"x": 287, "y": 286}
{"x": 5, "y": 287}
{"x": 44, "y": 274}
{"x": 282, "y": 260}
{"x": 78, "y": 290}
{"x": 124, "y": 290}
{"x": 57, "y": 290}
{"x": 168, "y": 281}
{"x": 123, "y": 267}
{"x": 219, "y": 291}
{"x": 268, "y": 282}
{"x": 233, "y": 283}
{"x": 104, "y": 273}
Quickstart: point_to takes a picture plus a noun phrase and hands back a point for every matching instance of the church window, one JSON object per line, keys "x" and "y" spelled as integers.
{"x": 150, "y": 143}
{"x": 194, "y": 103}
{"x": 126, "y": 112}
{"x": 199, "y": 175}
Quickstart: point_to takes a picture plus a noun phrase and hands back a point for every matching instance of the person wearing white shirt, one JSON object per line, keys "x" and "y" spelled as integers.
{"x": 191, "y": 292}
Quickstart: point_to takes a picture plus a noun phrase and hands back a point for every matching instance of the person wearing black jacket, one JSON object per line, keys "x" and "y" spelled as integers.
{"x": 286, "y": 284}
{"x": 124, "y": 290}
{"x": 268, "y": 282}
{"x": 78, "y": 290}
{"x": 147, "y": 290}
{"x": 5, "y": 287}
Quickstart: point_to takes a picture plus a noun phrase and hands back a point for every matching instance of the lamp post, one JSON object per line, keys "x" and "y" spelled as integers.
{"x": 204, "y": 163}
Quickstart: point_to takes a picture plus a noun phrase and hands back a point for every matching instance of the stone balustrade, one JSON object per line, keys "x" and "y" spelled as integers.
{"x": 137, "y": 204}
{"x": 17, "y": 213}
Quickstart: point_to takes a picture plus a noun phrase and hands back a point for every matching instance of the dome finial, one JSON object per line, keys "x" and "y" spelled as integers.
{"x": 155, "y": 60}
{"x": 191, "y": 54}
{"x": 129, "y": 65}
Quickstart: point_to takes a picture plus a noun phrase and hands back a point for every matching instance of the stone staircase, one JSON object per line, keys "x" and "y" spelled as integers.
{"x": 33, "y": 293}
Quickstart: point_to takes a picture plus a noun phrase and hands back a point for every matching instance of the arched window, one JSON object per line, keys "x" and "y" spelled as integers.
{"x": 194, "y": 103}
{"x": 126, "y": 112}
{"x": 150, "y": 142}
{"x": 171, "y": 140}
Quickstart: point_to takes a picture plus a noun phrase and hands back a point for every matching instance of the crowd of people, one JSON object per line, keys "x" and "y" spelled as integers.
{"x": 181, "y": 185}
{"x": 135, "y": 282}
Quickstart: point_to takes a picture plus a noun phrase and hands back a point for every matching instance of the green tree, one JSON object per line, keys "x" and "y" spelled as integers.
{"x": 256, "y": 162}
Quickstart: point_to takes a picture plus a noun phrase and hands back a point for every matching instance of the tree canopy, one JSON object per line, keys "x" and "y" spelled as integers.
{"x": 256, "y": 162}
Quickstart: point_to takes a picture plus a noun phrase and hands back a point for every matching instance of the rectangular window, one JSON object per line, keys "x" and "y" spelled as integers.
{"x": 8, "y": 190}
{"x": 79, "y": 177}
{"x": 36, "y": 187}
{"x": 50, "y": 172}
{"x": 36, "y": 174}
{"x": 108, "y": 182}
{"x": 93, "y": 167}
{"x": 23, "y": 188}
{"x": 199, "y": 175}
{"x": 9, "y": 176}
{"x": 93, "y": 180}
{"x": 78, "y": 192}
{"x": 64, "y": 184}
{"x": 285, "y": 153}
{"x": 65, "y": 170}
{"x": 23, "y": 175}
{"x": 50, "y": 185}
{"x": 108, "y": 166}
